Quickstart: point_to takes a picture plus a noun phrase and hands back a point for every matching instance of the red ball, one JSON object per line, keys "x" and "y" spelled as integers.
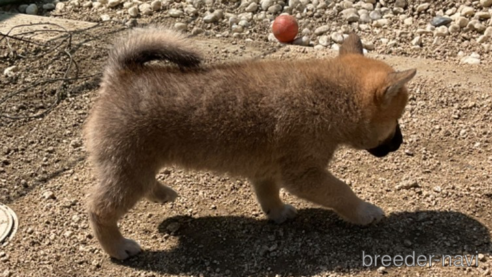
{"x": 285, "y": 28}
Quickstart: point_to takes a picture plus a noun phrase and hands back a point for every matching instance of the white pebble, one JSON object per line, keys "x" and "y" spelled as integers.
{"x": 105, "y": 17}
{"x": 182, "y": 27}
{"x": 380, "y": 23}
{"x": 321, "y": 30}
{"x": 468, "y": 11}
{"x": 113, "y": 3}
{"x": 323, "y": 40}
{"x": 336, "y": 37}
{"x": 175, "y": 13}
{"x": 422, "y": 7}
{"x": 133, "y": 11}
{"x": 210, "y": 18}
{"x": 10, "y": 71}
{"x": 145, "y": 9}
{"x": 252, "y": 7}
{"x": 441, "y": 31}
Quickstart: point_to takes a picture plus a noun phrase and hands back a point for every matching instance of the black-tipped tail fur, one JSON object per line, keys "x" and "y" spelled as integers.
{"x": 146, "y": 44}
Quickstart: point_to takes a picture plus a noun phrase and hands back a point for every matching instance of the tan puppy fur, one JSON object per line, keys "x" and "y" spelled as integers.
{"x": 276, "y": 123}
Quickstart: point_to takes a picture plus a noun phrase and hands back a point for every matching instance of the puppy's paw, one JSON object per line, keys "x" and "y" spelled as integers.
{"x": 367, "y": 213}
{"x": 124, "y": 249}
{"x": 282, "y": 214}
{"x": 162, "y": 194}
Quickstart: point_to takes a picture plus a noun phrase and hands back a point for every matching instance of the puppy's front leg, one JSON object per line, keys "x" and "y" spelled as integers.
{"x": 267, "y": 193}
{"x": 321, "y": 187}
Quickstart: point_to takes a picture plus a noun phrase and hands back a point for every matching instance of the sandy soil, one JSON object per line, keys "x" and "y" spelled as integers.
{"x": 437, "y": 190}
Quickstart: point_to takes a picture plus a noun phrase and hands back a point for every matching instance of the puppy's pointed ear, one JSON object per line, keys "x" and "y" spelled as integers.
{"x": 352, "y": 45}
{"x": 396, "y": 81}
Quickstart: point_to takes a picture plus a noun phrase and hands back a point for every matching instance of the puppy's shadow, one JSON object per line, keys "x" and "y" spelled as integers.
{"x": 315, "y": 241}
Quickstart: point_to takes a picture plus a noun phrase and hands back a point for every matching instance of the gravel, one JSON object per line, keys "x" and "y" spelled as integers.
{"x": 458, "y": 25}
{"x": 436, "y": 190}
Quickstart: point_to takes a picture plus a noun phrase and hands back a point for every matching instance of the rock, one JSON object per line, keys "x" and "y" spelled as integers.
{"x": 237, "y": 28}
{"x": 483, "y": 15}
{"x": 10, "y": 71}
{"x": 369, "y": 45}
{"x": 401, "y": 4}
{"x": 462, "y": 22}
{"x": 488, "y": 32}
{"x": 336, "y": 37}
{"x": 380, "y": 23}
{"x": 454, "y": 28}
{"x": 275, "y": 9}
{"x": 367, "y": 6}
{"x": 323, "y": 40}
{"x": 450, "y": 11}
{"x": 210, "y": 18}
{"x": 105, "y": 17}
{"x": 481, "y": 257}
{"x": 408, "y": 184}
{"x": 382, "y": 270}
{"x": 441, "y": 31}
{"x": 352, "y": 17}
{"x": 175, "y": 13}
{"x": 303, "y": 41}
{"x": 375, "y": 15}
{"x": 133, "y": 11}
{"x": 265, "y": 4}
{"x": 49, "y": 195}
{"x": 486, "y": 3}
{"x": 49, "y": 6}
{"x": 156, "y": 5}
{"x": 473, "y": 59}
{"x": 32, "y": 9}
{"x": 468, "y": 11}
{"x": 422, "y": 7}
{"x": 252, "y": 7}
{"x": 182, "y": 27}
{"x": 197, "y": 31}
{"x": 365, "y": 18}
{"x": 408, "y": 21}
{"x": 440, "y": 21}
{"x": 113, "y": 3}
{"x": 145, "y": 9}
{"x": 321, "y": 30}
{"x": 476, "y": 26}
{"x": 417, "y": 41}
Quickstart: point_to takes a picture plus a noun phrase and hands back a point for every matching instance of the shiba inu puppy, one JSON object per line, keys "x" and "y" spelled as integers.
{"x": 277, "y": 123}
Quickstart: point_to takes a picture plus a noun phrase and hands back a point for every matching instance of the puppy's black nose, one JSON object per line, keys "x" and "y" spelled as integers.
{"x": 390, "y": 145}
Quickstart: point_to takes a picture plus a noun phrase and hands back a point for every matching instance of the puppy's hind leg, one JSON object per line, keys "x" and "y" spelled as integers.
{"x": 110, "y": 200}
{"x": 161, "y": 193}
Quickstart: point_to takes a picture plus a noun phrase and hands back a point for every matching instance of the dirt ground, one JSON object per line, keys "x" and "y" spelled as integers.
{"x": 436, "y": 190}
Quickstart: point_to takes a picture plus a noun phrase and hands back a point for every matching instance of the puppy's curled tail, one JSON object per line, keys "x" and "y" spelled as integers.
{"x": 145, "y": 44}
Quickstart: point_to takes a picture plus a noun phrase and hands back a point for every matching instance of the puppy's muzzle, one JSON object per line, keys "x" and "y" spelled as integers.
{"x": 389, "y": 145}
